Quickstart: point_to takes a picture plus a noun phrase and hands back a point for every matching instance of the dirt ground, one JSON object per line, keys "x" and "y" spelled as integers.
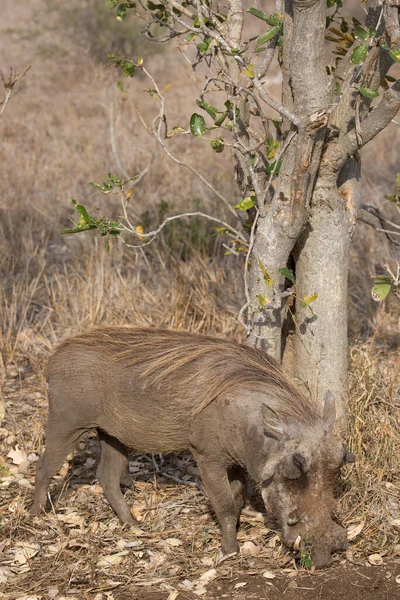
{"x": 346, "y": 581}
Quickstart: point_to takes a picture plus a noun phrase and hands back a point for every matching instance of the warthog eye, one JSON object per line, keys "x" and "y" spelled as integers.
{"x": 266, "y": 482}
{"x": 293, "y": 517}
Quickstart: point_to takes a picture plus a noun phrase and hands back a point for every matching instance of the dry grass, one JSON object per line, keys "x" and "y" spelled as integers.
{"x": 54, "y": 140}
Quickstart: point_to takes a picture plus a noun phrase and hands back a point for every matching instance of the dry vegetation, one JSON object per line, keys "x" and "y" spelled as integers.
{"x": 54, "y": 139}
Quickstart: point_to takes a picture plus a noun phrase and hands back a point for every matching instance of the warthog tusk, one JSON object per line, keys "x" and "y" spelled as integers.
{"x": 296, "y": 545}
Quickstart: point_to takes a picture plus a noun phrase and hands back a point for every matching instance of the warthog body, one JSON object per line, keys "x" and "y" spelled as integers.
{"x": 231, "y": 405}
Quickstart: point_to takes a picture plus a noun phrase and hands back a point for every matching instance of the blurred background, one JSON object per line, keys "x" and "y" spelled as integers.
{"x": 56, "y": 136}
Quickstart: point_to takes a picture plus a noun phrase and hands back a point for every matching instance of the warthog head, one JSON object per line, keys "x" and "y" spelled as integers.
{"x": 298, "y": 487}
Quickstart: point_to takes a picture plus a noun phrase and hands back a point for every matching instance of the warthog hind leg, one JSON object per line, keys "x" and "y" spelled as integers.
{"x": 113, "y": 463}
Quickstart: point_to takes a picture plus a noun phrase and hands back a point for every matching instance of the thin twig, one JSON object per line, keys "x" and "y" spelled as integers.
{"x": 168, "y": 476}
{"x": 157, "y": 123}
{"x": 387, "y": 232}
{"x": 153, "y": 234}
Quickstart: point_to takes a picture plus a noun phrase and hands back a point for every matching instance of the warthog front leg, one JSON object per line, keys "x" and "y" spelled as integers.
{"x": 226, "y": 499}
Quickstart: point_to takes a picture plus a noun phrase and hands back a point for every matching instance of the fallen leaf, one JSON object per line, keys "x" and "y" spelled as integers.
{"x": 274, "y": 541}
{"x": 112, "y": 559}
{"x": 138, "y": 512}
{"x": 4, "y": 574}
{"x": 173, "y": 542}
{"x": 268, "y": 575}
{"x": 208, "y": 576}
{"x": 354, "y": 530}
{"x": 17, "y": 456}
{"x": 240, "y": 585}
{"x": 25, "y": 551}
{"x": 55, "y": 548}
{"x": 127, "y": 544}
{"x": 200, "y": 591}
{"x": 72, "y": 519}
{"x": 397, "y": 580}
{"x": 250, "y": 549}
{"x": 186, "y": 584}
{"x": 375, "y": 559}
{"x": 396, "y": 524}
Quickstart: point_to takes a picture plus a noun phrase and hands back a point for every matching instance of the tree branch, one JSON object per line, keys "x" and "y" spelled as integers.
{"x": 378, "y": 119}
{"x": 235, "y": 22}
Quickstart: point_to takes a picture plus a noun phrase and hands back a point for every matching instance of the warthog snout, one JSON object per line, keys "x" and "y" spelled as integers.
{"x": 317, "y": 541}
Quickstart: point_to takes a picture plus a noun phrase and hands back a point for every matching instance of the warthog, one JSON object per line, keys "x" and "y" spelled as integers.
{"x": 231, "y": 405}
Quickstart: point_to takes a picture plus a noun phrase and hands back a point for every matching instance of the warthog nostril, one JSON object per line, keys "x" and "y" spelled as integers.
{"x": 293, "y": 517}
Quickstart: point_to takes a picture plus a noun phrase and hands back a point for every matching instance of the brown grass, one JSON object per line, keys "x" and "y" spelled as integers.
{"x": 54, "y": 140}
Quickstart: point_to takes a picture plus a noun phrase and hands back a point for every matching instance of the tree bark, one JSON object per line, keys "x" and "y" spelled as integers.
{"x": 277, "y": 231}
{"x": 322, "y": 266}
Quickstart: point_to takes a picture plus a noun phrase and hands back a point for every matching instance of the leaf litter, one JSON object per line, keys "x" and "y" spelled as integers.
{"x": 79, "y": 547}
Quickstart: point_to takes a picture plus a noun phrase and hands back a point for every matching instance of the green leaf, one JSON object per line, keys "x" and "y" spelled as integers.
{"x": 211, "y": 110}
{"x": 274, "y": 167}
{"x": 217, "y": 145}
{"x": 221, "y": 119}
{"x": 258, "y": 13}
{"x": 381, "y": 289}
{"x": 395, "y": 54}
{"x": 288, "y": 273}
{"x": 338, "y": 89}
{"x": 277, "y": 125}
{"x": 204, "y": 46}
{"x": 268, "y": 35}
{"x": 267, "y": 278}
{"x": 359, "y": 31}
{"x": 398, "y": 180}
{"x": 95, "y": 185}
{"x": 121, "y": 12}
{"x": 368, "y": 93}
{"x": 197, "y": 125}
{"x": 359, "y": 53}
{"x": 82, "y": 211}
{"x": 390, "y": 78}
{"x": 78, "y": 229}
{"x": 190, "y": 37}
{"x": 249, "y": 71}
{"x": 262, "y": 300}
{"x": 246, "y": 203}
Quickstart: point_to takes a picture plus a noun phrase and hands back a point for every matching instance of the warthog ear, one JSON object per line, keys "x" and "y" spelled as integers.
{"x": 329, "y": 415}
{"x": 272, "y": 423}
{"x": 295, "y": 465}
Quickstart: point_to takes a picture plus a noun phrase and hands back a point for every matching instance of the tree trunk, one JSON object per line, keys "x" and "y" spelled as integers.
{"x": 322, "y": 265}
